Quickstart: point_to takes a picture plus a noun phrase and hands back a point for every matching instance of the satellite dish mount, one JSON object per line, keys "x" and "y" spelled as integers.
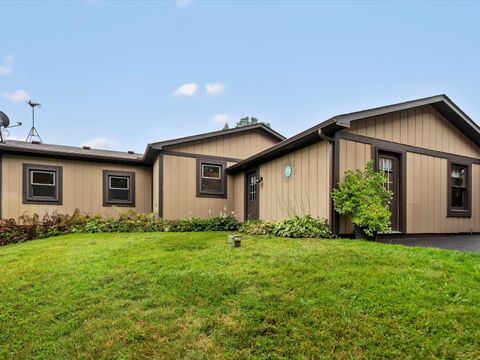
{"x": 33, "y": 133}
{"x": 5, "y": 123}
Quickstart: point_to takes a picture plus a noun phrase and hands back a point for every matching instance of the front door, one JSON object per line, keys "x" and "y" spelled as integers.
{"x": 251, "y": 195}
{"x": 389, "y": 164}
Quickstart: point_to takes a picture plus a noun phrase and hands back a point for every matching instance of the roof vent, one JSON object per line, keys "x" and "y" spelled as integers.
{"x": 86, "y": 147}
{"x": 131, "y": 152}
{"x": 36, "y": 142}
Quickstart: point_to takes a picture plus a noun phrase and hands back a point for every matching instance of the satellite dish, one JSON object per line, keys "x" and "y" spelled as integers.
{"x": 4, "y": 120}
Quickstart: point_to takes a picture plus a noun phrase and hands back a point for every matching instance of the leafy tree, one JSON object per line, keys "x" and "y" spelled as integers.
{"x": 363, "y": 198}
{"x": 250, "y": 120}
{"x": 226, "y": 127}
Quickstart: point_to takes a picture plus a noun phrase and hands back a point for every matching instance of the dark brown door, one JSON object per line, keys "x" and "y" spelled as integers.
{"x": 251, "y": 195}
{"x": 389, "y": 164}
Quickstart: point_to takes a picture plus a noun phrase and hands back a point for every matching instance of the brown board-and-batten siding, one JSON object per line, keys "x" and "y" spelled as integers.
{"x": 82, "y": 187}
{"x": 306, "y": 191}
{"x": 235, "y": 146}
{"x": 422, "y": 127}
{"x": 180, "y": 198}
{"x": 427, "y": 197}
{"x": 352, "y": 155}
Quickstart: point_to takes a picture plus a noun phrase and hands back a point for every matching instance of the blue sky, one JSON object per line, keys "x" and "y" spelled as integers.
{"x": 113, "y": 71}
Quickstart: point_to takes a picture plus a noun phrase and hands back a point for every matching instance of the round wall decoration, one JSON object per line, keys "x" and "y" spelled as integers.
{"x": 288, "y": 171}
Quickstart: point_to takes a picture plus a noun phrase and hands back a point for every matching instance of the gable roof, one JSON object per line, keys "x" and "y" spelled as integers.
{"x": 441, "y": 103}
{"x": 69, "y": 152}
{"x": 154, "y": 147}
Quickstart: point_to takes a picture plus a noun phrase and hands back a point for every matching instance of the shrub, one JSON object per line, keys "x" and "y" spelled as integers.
{"x": 257, "y": 227}
{"x": 31, "y": 227}
{"x": 302, "y": 227}
{"x": 363, "y": 198}
{"x": 305, "y": 226}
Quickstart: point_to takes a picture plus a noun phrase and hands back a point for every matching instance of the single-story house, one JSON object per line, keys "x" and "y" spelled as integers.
{"x": 429, "y": 150}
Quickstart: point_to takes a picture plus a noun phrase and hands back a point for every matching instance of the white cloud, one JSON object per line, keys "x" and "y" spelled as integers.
{"x": 16, "y": 96}
{"x": 101, "y": 143}
{"x": 215, "y": 88}
{"x": 6, "y": 68}
{"x": 183, "y": 3}
{"x": 189, "y": 89}
{"x": 221, "y": 118}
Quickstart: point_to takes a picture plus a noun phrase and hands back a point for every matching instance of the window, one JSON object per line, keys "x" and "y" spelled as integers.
{"x": 42, "y": 184}
{"x": 119, "y": 188}
{"x": 252, "y": 188}
{"x": 211, "y": 178}
{"x": 459, "y": 190}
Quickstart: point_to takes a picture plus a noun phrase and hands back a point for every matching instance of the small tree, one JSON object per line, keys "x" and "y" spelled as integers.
{"x": 250, "y": 120}
{"x": 363, "y": 198}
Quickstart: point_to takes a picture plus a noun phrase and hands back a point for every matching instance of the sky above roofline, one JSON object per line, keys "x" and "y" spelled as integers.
{"x": 119, "y": 75}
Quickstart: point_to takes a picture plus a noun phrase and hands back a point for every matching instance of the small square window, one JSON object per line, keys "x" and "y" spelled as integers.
{"x": 119, "y": 188}
{"x": 211, "y": 178}
{"x": 42, "y": 184}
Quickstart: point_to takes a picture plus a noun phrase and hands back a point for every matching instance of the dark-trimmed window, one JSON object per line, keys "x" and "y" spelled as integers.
{"x": 118, "y": 188}
{"x": 459, "y": 191}
{"x": 211, "y": 178}
{"x": 42, "y": 184}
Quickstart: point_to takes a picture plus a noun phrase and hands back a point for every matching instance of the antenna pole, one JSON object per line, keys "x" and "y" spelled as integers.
{"x": 33, "y": 133}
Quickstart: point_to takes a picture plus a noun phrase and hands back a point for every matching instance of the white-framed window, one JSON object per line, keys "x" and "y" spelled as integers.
{"x": 119, "y": 188}
{"x": 211, "y": 178}
{"x": 42, "y": 184}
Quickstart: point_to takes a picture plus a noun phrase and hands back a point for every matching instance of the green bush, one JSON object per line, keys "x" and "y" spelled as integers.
{"x": 363, "y": 198}
{"x": 305, "y": 226}
{"x": 302, "y": 227}
{"x": 32, "y": 227}
{"x": 257, "y": 227}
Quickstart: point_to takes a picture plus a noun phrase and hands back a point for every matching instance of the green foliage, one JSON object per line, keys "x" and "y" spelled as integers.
{"x": 257, "y": 227}
{"x": 32, "y": 227}
{"x": 363, "y": 198}
{"x": 305, "y": 226}
{"x": 226, "y": 126}
{"x": 250, "y": 120}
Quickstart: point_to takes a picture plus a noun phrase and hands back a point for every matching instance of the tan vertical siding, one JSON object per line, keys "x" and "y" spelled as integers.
{"x": 156, "y": 184}
{"x": 353, "y": 155}
{"x": 82, "y": 187}
{"x": 180, "y": 191}
{"x": 422, "y": 127}
{"x": 238, "y": 196}
{"x": 427, "y": 192}
{"x": 239, "y": 146}
{"x": 308, "y": 189}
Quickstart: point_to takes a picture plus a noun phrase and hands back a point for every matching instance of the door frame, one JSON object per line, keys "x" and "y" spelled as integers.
{"x": 402, "y": 196}
{"x": 245, "y": 193}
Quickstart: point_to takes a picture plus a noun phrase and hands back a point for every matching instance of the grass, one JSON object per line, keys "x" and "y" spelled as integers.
{"x": 171, "y": 295}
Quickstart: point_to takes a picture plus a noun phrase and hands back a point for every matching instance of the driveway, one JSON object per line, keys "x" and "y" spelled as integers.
{"x": 450, "y": 242}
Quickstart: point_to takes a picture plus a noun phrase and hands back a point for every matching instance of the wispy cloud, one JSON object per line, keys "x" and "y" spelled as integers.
{"x": 16, "y": 96}
{"x": 183, "y": 3}
{"x": 221, "y": 119}
{"x": 101, "y": 143}
{"x": 6, "y": 69}
{"x": 215, "y": 88}
{"x": 186, "y": 90}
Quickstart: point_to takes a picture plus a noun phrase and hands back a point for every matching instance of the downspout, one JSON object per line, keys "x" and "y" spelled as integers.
{"x": 333, "y": 215}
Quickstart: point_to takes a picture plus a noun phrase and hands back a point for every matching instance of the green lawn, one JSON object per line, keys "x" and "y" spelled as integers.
{"x": 170, "y": 295}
